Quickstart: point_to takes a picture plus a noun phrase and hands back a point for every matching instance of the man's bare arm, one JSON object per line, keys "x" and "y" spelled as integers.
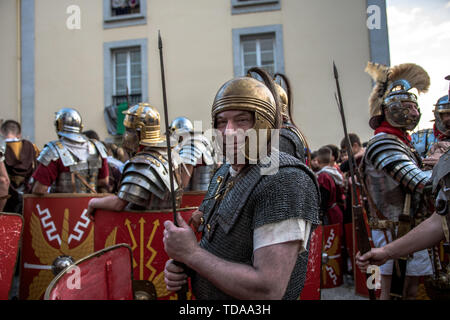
{"x": 39, "y": 188}
{"x": 111, "y": 203}
{"x": 267, "y": 278}
{"x": 425, "y": 235}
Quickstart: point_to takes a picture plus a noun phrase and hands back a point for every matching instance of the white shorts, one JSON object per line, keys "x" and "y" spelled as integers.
{"x": 419, "y": 265}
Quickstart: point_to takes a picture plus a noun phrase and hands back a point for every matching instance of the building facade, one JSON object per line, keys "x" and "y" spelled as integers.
{"x": 94, "y": 54}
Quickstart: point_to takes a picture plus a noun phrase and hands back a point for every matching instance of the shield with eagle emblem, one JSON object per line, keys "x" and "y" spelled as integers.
{"x": 143, "y": 232}
{"x": 54, "y": 225}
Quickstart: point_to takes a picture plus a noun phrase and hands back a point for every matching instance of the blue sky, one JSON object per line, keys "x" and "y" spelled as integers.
{"x": 419, "y": 32}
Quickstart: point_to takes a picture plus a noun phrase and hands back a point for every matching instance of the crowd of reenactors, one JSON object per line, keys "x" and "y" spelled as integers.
{"x": 256, "y": 227}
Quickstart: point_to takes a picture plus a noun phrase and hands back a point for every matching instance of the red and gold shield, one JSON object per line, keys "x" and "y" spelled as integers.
{"x": 192, "y": 199}
{"x": 332, "y": 270}
{"x": 54, "y": 224}
{"x": 10, "y": 235}
{"x": 103, "y": 275}
{"x": 143, "y": 231}
{"x": 311, "y": 289}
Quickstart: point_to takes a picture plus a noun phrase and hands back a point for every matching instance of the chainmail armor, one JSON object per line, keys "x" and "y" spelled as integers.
{"x": 256, "y": 200}
{"x": 291, "y": 144}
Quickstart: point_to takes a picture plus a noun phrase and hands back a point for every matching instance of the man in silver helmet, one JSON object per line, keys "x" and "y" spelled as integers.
{"x": 426, "y": 235}
{"x": 72, "y": 164}
{"x": 145, "y": 182}
{"x": 431, "y": 143}
{"x": 392, "y": 172}
{"x": 196, "y": 154}
{"x": 254, "y": 224}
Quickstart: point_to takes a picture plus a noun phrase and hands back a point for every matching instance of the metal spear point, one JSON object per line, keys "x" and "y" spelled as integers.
{"x": 182, "y": 292}
{"x": 166, "y": 121}
{"x": 357, "y": 210}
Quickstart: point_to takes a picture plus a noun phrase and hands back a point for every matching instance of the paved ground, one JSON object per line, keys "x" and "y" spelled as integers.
{"x": 344, "y": 292}
{"x": 341, "y": 293}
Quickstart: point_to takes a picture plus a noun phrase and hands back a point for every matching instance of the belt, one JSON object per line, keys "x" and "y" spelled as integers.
{"x": 383, "y": 224}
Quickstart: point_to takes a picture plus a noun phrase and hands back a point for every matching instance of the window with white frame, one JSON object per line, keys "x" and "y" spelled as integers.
{"x": 127, "y": 74}
{"x": 258, "y": 47}
{"x": 248, "y": 6}
{"x": 258, "y": 51}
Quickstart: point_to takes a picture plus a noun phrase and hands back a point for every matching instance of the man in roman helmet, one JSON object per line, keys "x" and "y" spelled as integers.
{"x": 254, "y": 222}
{"x": 196, "y": 154}
{"x": 424, "y": 141}
{"x": 72, "y": 164}
{"x": 391, "y": 168}
{"x": 427, "y": 234}
{"x": 145, "y": 183}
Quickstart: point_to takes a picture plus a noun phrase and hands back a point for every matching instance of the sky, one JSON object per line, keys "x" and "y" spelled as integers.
{"x": 419, "y": 32}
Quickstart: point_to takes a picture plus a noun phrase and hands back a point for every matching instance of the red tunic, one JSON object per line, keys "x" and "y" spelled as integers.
{"x": 333, "y": 211}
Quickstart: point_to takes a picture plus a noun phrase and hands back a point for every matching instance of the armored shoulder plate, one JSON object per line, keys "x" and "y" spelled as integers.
{"x": 386, "y": 152}
{"x": 48, "y": 154}
{"x": 145, "y": 174}
{"x": 100, "y": 148}
{"x": 194, "y": 148}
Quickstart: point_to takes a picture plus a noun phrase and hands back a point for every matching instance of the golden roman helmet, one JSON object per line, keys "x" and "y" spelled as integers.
{"x": 248, "y": 94}
{"x": 146, "y": 121}
{"x": 283, "y": 101}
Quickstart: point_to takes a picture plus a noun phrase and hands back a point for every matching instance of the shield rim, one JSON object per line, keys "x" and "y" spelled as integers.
{"x": 58, "y": 277}
{"x": 19, "y": 245}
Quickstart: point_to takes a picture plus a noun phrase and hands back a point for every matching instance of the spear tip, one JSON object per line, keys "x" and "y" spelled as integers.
{"x": 159, "y": 40}
{"x": 335, "y": 70}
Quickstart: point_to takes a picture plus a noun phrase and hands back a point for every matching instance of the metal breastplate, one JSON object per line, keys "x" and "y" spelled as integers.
{"x": 196, "y": 149}
{"x": 146, "y": 183}
{"x": 391, "y": 170}
{"x": 81, "y": 173}
{"x": 201, "y": 176}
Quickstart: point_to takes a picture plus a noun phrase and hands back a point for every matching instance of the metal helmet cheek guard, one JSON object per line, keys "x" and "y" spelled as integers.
{"x": 398, "y": 115}
{"x": 68, "y": 124}
{"x": 248, "y": 94}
